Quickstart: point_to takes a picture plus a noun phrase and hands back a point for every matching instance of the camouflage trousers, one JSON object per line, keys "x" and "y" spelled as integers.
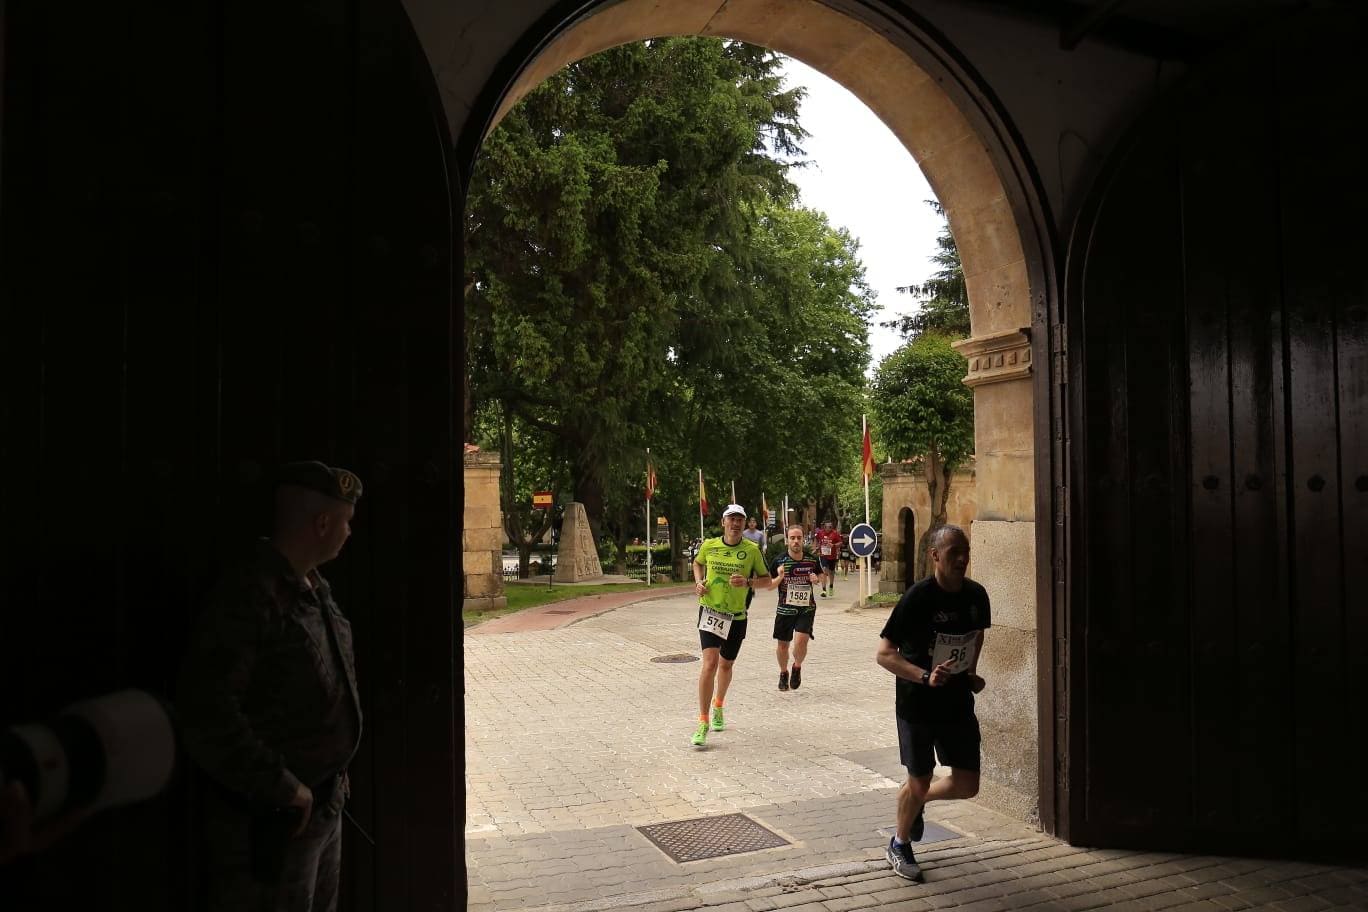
{"x": 311, "y": 868}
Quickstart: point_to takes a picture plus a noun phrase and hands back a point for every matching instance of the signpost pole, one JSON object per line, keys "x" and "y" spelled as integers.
{"x": 863, "y": 541}
{"x": 542, "y": 500}
{"x": 865, "y": 575}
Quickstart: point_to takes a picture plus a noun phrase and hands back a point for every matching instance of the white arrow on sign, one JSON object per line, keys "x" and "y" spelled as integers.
{"x": 862, "y": 541}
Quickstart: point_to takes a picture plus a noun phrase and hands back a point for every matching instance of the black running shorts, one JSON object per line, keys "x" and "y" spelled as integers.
{"x": 730, "y": 648}
{"x": 955, "y": 743}
{"x": 785, "y": 625}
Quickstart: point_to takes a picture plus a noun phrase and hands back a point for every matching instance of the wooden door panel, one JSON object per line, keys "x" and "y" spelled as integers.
{"x": 1222, "y": 324}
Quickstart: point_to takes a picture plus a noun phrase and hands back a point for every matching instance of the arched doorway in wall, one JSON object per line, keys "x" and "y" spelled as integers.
{"x": 907, "y": 529}
{"x": 964, "y": 148}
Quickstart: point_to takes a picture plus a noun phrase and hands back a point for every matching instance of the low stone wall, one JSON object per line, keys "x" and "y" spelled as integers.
{"x": 482, "y": 534}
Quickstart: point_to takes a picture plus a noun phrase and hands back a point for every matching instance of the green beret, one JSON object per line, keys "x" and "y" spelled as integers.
{"x": 318, "y": 477}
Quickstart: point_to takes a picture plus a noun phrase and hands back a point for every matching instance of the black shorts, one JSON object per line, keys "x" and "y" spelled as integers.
{"x": 786, "y": 624}
{"x": 955, "y": 743}
{"x": 730, "y": 648}
{"x": 828, "y": 564}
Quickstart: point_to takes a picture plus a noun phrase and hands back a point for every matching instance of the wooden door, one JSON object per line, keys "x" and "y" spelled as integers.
{"x": 225, "y": 241}
{"x": 1219, "y": 325}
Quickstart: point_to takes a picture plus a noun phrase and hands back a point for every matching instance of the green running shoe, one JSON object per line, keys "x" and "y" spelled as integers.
{"x": 700, "y": 737}
{"x": 718, "y": 724}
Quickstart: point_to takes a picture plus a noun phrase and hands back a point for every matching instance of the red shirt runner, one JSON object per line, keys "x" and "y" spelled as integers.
{"x": 828, "y": 543}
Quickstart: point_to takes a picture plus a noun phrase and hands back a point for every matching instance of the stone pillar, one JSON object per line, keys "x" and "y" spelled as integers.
{"x": 1003, "y": 535}
{"x": 482, "y": 534}
{"x": 577, "y": 554}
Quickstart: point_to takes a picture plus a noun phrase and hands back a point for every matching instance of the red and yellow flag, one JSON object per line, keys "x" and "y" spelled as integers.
{"x": 702, "y": 496}
{"x": 650, "y": 476}
{"x": 764, "y": 512}
{"x": 867, "y": 458}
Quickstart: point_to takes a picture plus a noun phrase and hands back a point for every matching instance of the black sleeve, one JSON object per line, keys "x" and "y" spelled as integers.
{"x": 895, "y": 628}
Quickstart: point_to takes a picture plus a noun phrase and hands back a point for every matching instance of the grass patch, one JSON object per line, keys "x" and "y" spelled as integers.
{"x": 522, "y": 596}
{"x": 883, "y": 598}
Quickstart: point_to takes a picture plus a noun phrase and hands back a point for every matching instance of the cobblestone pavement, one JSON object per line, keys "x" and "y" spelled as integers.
{"x": 575, "y": 738}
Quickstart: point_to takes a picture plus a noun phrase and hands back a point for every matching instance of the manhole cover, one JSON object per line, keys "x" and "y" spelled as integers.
{"x": 560, "y": 611}
{"x": 676, "y": 657}
{"x": 711, "y": 837}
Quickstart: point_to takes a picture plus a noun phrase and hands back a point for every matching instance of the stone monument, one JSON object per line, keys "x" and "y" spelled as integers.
{"x": 577, "y": 556}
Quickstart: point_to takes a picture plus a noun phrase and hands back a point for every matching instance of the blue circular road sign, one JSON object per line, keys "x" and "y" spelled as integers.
{"x": 863, "y": 540}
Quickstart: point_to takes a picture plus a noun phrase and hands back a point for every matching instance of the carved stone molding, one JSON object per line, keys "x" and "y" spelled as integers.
{"x": 997, "y": 357}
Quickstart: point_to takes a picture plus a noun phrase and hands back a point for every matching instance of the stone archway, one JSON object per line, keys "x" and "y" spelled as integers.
{"x": 963, "y": 161}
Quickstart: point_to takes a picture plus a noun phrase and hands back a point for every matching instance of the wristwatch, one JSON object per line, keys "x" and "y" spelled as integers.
{"x": 926, "y": 678}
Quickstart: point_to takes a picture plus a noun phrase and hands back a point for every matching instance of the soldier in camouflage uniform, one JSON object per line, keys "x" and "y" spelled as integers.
{"x": 270, "y": 710}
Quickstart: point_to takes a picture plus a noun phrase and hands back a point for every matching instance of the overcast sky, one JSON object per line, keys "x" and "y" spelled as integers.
{"x": 865, "y": 181}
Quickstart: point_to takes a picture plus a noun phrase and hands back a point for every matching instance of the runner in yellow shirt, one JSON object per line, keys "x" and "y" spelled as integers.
{"x": 724, "y": 570}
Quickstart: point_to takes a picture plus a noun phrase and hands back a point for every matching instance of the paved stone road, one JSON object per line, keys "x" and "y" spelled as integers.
{"x": 575, "y": 738}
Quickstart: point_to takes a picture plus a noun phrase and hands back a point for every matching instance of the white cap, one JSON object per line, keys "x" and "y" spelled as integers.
{"x": 733, "y": 510}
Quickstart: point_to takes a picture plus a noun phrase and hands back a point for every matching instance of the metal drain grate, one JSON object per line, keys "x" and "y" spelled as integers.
{"x": 711, "y": 837}
{"x": 676, "y": 657}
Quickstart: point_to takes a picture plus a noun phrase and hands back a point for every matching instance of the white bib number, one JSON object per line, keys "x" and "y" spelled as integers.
{"x": 715, "y": 622}
{"x": 798, "y": 595}
{"x": 957, "y": 649}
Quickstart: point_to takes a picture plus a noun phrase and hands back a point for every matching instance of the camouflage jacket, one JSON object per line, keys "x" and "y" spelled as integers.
{"x": 267, "y": 696}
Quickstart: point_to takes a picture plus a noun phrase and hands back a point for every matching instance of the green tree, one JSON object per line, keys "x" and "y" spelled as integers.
{"x": 527, "y": 464}
{"x": 923, "y": 410}
{"x": 608, "y": 233}
{"x": 943, "y": 299}
{"x": 779, "y": 409}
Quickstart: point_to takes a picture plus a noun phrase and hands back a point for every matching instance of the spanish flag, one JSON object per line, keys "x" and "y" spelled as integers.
{"x": 650, "y": 476}
{"x": 764, "y": 511}
{"x": 867, "y": 461}
{"x": 702, "y": 496}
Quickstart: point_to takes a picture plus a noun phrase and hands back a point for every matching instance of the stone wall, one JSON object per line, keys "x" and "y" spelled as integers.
{"x": 482, "y": 533}
{"x": 907, "y": 504}
{"x": 1004, "y": 562}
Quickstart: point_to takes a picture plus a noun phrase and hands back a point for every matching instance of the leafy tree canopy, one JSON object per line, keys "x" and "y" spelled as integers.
{"x": 921, "y": 404}
{"x": 639, "y": 274}
{"x": 608, "y": 235}
{"x": 923, "y": 411}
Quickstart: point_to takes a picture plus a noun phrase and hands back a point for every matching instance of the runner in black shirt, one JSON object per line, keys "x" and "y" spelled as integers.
{"x": 794, "y": 572}
{"x": 931, "y": 643}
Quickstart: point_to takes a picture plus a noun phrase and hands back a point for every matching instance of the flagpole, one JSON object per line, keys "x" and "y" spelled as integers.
{"x": 864, "y": 428}
{"x": 700, "y": 508}
{"x": 650, "y": 539}
{"x": 733, "y": 500}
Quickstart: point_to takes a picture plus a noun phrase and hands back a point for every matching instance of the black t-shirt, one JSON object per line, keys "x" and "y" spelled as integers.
{"x": 924, "y": 614}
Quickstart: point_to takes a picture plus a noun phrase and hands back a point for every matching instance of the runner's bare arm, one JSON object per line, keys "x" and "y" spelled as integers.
{"x": 891, "y": 660}
{"x": 976, "y": 683}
